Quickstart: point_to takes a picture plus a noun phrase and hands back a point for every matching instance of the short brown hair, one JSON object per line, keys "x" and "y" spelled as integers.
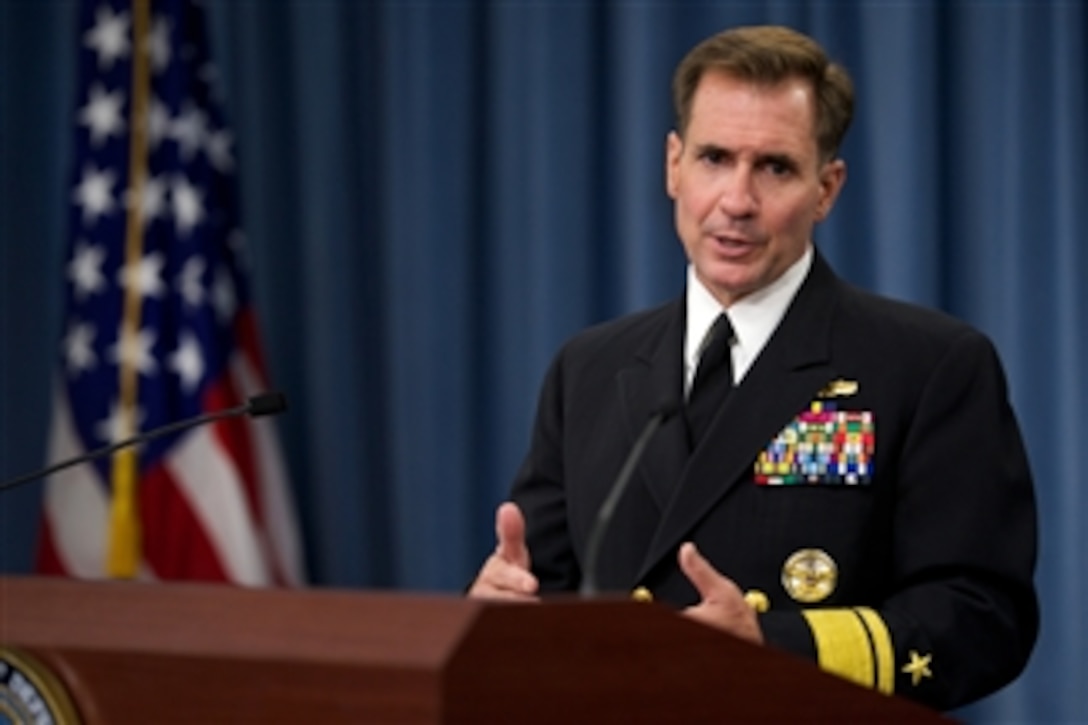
{"x": 771, "y": 54}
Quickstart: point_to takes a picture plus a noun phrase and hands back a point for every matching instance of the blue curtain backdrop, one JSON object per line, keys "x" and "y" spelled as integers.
{"x": 438, "y": 193}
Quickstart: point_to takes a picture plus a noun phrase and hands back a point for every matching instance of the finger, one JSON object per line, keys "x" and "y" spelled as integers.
{"x": 507, "y": 576}
{"x": 510, "y": 531}
{"x": 501, "y": 579}
{"x": 710, "y": 584}
{"x": 504, "y": 595}
{"x": 701, "y": 612}
{"x": 736, "y": 619}
{"x": 721, "y": 603}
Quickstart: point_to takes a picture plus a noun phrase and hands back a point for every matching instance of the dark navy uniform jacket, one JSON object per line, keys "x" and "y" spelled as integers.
{"x": 919, "y": 566}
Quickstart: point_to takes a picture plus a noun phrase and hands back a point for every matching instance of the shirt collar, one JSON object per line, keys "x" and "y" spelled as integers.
{"x": 754, "y": 317}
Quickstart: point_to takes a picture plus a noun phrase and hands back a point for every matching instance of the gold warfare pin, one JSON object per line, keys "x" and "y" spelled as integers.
{"x": 809, "y": 575}
{"x": 839, "y": 389}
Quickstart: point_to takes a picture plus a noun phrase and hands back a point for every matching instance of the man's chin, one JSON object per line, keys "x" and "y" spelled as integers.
{"x": 729, "y": 287}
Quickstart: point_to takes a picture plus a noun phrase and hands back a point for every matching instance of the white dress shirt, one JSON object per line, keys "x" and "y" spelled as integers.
{"x": 754, "y": 318}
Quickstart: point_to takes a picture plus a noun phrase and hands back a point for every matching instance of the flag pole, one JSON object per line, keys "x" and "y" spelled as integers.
{"x": 123, "y": 553}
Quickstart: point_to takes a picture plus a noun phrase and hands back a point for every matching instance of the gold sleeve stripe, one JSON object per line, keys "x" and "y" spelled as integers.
{"x": 881, "y": 641}
{"x": 853, "y": 644}
{"x": 842, "y": 644}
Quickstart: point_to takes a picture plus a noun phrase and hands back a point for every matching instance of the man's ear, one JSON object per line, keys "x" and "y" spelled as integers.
{"x": 832, "y": 178}
{"x": 674, "y": 149}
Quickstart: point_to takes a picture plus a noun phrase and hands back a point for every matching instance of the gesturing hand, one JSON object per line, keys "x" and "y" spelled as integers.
{"x": 722, "y": 604}
{"x": 505, "y": 574}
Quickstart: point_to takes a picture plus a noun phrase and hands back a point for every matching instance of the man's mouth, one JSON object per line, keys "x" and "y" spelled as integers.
{"x": 732, "y": 244}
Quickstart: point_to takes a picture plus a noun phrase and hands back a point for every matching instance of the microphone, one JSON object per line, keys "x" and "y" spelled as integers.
{"x": 665, "y": 410}
{"x": 270, "y": 403}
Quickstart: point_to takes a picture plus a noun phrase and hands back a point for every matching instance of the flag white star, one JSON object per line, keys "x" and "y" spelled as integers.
{"x": 146, "y": 275}
{"x": 102, "y": 114}
{"x": 95, "y": 193}
{"x": 218, "y": 148}
{"x": 117, "y": 426}
{"x": 189, "y": 129}
{"x": 223, "y": 297}
{"x": 79, "y": 347}
{"x": 158, "y": 44}
{"x": 109, "y": 36}
{"x": 188, "y": 205}
{"x": 153, "y": 198}
{"x": 158, "y": 123}
{"x": 187, "y": 361}
{"x": 189, "y": 283}
{"x": 135, "y": 351}
{"x": 85, "y": 269}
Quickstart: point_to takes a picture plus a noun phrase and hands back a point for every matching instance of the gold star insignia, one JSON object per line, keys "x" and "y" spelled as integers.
{"x": 918, "y": 667}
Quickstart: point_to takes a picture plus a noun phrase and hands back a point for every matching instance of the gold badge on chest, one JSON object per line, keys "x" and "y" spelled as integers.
{"x": 839, "y": 389}
{"x": 809, "y": 575}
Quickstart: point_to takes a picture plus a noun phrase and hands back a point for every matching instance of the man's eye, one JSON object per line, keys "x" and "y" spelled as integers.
{"x": 778, "y": 168}
{"x": 713, "y": 157}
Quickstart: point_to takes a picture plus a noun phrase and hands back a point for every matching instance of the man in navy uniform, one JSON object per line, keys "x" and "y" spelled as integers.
{"x": 845, "y": 478}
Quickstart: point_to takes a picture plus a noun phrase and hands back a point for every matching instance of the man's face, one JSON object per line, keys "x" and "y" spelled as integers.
{"x": 747, "y": 182}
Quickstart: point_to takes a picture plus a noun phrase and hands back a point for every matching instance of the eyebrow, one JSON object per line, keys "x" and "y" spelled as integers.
{"x": 704, "y": 148}
{"x": 778, "y": 158}
{"x": 783, "y": 158}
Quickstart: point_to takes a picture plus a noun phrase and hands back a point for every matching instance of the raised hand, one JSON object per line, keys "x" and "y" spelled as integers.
{"x": 506, "y": 573}
{"x": 722, "y": 604}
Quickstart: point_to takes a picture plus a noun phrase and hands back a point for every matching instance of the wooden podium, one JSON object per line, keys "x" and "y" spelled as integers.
{"x": 141, "y": 653}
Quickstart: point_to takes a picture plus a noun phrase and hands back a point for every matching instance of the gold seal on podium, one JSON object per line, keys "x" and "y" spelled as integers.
{"x": 30, "y": 693}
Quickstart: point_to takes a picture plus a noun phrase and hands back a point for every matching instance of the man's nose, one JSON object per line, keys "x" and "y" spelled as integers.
{"x": 738, "y": 197}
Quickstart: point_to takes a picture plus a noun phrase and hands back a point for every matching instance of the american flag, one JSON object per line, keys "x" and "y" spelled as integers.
{"x": 159, "y": 324}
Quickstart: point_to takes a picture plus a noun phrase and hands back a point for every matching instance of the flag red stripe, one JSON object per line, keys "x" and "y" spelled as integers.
{"x": 175, "y": 544}
{"x": 248, "y": 340}
{"x": 48, "y": 560}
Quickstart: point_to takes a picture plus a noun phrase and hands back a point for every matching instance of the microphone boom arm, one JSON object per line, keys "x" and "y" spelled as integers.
{"x": 604, "y": 513}
{"x": 263, "y": 404}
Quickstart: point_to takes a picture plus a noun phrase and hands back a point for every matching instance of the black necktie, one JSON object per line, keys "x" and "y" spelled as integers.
{"x": 713, "y": 379}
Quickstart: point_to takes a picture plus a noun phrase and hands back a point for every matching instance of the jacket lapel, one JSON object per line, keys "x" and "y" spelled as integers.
{"x": 793, "y": 366}
{"x": 654, "y": 381}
